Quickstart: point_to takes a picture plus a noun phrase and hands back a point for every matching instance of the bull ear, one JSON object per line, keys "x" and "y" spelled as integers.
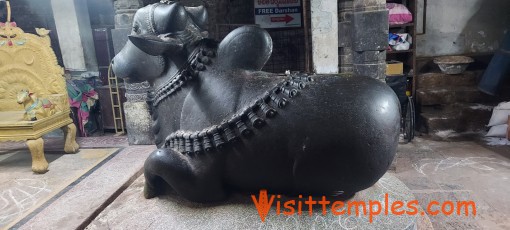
{"x": 155, "y": 45}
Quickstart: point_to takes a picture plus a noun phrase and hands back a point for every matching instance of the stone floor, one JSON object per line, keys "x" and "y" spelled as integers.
{"x": 452, "y": 171}
{"x": 442, "y": 171}
{"x": 21, "y": 191}
{"x": 132, "y": 211}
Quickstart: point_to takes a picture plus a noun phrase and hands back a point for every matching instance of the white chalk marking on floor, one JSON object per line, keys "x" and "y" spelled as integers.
{"x": 452, "y": 162}
{"x": 14, "y": 206}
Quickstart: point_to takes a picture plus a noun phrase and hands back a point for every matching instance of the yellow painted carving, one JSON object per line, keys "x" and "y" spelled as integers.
{"x": 29, "y": 65}
{"x": 39, "y": 163}
{"x": 70, "y": 134}
{"x": 36, "y": 108}
{"x": 27, "y": 61}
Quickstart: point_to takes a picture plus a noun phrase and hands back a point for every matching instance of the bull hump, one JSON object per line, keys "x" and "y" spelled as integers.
{"x": 234, "y": 53}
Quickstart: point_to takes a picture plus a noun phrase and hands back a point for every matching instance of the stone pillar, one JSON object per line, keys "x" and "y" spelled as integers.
{"x": 345, "y": 35}
{"x": 138, "y": 119}
{"x": 370, "y": 38}
{"x": 324, "y": 15}
{"x": 75, "y": 35}
{"x": 124, "y": 12}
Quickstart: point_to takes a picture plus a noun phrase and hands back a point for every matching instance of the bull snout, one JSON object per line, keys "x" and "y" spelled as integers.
{"x": 118, "y": 68}
{"x": 136, "y": 65}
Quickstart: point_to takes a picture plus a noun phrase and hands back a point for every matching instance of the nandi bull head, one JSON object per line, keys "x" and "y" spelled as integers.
{"x": 159, "y": 29}
{"x": 23, "y": 96}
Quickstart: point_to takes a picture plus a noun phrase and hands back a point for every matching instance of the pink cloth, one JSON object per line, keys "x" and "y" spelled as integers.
{"x": 398, "y": 14}
{"x": 83, "y": 115}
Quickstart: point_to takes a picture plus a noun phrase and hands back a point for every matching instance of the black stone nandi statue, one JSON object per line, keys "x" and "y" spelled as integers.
{"x": 223, "y": 125}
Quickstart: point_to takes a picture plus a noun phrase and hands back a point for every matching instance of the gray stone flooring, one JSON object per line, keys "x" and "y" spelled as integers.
{"x": 452, "y": 171}
{"x": 442, "y": 171}
{"x": 83, "y": 201}
{"x": 131, "y": 211}
{"x": 22, "y": 191}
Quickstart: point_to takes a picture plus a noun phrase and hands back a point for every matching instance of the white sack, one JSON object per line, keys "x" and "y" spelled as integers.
{"x": 500, "y": 114}
{"x": 498, "y": 131}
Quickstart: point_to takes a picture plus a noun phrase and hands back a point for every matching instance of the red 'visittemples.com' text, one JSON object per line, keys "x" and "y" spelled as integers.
{"x": 372, "y": 208}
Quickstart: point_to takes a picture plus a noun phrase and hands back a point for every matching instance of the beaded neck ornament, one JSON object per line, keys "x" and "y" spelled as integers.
{"x": 240, "y": 125}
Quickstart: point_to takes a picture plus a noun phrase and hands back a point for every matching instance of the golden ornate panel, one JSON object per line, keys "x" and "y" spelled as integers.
{"x": 27, "y": 61}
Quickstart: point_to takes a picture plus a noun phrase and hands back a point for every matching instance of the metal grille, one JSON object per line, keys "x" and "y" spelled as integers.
{"x": 288, "y": 48}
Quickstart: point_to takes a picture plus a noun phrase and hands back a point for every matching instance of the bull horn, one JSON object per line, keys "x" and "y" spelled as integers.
{"x": 199, "y": 16}
{"x": 156, "y": 45}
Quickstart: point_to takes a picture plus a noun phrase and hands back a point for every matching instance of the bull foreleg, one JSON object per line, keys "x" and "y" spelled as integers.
{"x": 199, "y": 184}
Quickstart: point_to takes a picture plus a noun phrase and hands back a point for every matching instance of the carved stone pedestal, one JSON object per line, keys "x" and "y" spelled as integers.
{"x": 138, "y": 119}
